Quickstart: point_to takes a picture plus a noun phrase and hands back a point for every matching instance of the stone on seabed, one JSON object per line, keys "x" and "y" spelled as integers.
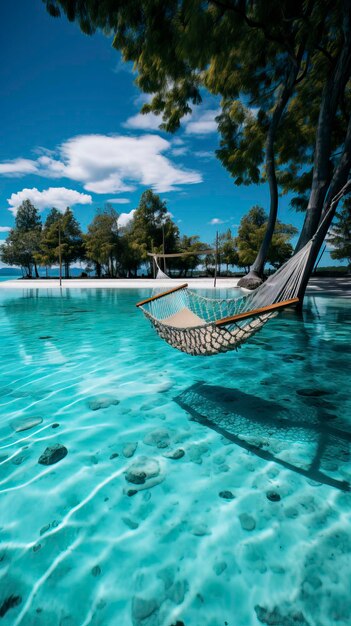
{"x": 53, "y": 454}
{"x": 141, "y": 470}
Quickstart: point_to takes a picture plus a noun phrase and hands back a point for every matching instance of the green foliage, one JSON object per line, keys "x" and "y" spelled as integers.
{"x": 23, "y": 241}
{"x": 227, "y": 249}
{"x": 250, "y": 235}
{"x": 245, "y": 52}
{"x": 65, "y": 227}
{"x": 189, "y": 262}
{"x": 27, "y": 218}
{"x": 102, "y": 241}
{"x": 340, "y": 234}
{"x": 152, "y": 228}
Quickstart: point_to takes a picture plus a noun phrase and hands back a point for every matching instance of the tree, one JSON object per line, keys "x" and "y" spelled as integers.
{"x": 251, "y": 233}
{"x": 282, "y": 70}
{"x": 227, "y": 253}
{"x": 152, "y": 229}
{"x": 189, "y": 262}
{"x": 102, "y": 241}
{"x": 23, "y": 241}
{"x": 65, "y": 227}
{"x": 340, "y": 235}
{"x": 48, "y": 254}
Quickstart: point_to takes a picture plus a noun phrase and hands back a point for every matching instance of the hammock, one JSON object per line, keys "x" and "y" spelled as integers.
{"x": 160, "y": 273}
{"x": 173, "y": 255}
{"x": 204, "y": 326}
{"x": 198, "y": 325}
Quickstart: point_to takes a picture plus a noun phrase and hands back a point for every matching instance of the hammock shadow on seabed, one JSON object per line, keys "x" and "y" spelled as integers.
{"x": 252, "y": 423}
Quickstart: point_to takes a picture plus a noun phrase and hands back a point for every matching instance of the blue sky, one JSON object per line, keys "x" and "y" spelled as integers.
{"x": 71, "y": 134}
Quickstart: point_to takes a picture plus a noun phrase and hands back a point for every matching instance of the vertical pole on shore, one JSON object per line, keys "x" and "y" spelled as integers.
{"x": 163, "y": 246}
{"x": 60, "y": 256}
{"x": 216, "y": 260}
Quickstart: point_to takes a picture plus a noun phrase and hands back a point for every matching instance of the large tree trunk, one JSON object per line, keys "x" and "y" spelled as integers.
{"x": 332, "y": 93}
{"x": 338, "y": 188}
{"x": 255, "y": 276}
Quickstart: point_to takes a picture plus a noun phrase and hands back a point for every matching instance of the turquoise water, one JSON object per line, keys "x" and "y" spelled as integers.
{"x": 268, "y": 428}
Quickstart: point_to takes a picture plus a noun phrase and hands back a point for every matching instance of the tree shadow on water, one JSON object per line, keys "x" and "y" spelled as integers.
{"x": 254, "y": 423}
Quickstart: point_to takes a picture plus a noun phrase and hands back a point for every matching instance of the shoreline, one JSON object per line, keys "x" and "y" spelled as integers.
{"x": 338, "y": 287}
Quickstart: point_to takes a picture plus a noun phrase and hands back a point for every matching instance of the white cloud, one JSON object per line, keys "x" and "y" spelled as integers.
{"x": 118, "y": 200}
{"x": 5, "y": 229}
{"x": 18, "y": 167}
{"x": 110, "y": 164}
{"x": 179, "y": 151}
{"x": 115, "y": 164}
{"x": 202, "y": 122}
{"x": 125, "y": 218}
{"x": 216, "y": 220}
{"x": 58, "y": 197}
{"x": 149, "y": 121}
{"x": 204, "y": 154}
{"x": 123, "y": 66}
{"x": 177, "y": 141}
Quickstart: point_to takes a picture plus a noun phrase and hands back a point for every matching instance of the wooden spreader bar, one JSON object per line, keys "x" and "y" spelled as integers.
{"x": 265, "y": 309}
{"x": 160, "y": 295}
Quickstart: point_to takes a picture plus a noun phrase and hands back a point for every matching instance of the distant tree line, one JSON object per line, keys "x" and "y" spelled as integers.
{"x": 110, "y": 250}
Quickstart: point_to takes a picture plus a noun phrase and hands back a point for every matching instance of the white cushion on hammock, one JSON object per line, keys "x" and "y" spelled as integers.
{"x": 183, "y": 319}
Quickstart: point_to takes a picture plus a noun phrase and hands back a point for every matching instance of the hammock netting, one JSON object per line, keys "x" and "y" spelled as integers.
{"x": 197, "y": 325}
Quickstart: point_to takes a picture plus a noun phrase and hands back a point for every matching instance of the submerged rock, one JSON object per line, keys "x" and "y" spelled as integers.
{"x": 53, "y": 454}
{"x": 219, "y": 568}
{"x": 159, "y": 438}
{"x": 273, "y": 496}
{"x": 130, "y": 523}
{"x": 103, "y": 402}
{"x": 141, "y": 470}
{"x": 96, "y": 571}
{"x": 275, "y": 617}
{"x": 26, "y": 424}
{"x": 196, "y": 451}
{"x": 226, "y": 495}
{"x": 247, "y": 522}
{"x": 44, "y": 529}
{"x": 129, "y": 449}
{"x": 176, "y": 593}
{"x": 174, "y": 454}
{"x": 200, "y": 530}
{"x": 315, "y": 393}
{"x": 9, "y": 603}
{"x": 141, "y": 609}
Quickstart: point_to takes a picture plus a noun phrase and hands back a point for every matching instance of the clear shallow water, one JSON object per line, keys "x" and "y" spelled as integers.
{"x": 76, "y": 549}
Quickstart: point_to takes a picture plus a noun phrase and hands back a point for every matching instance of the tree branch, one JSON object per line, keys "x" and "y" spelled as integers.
{"x": 255, "y": 24}
{"x": 326, "y": 54}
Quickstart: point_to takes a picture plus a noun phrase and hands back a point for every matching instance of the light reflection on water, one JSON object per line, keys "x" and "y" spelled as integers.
{"x": 274, "y": 417}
